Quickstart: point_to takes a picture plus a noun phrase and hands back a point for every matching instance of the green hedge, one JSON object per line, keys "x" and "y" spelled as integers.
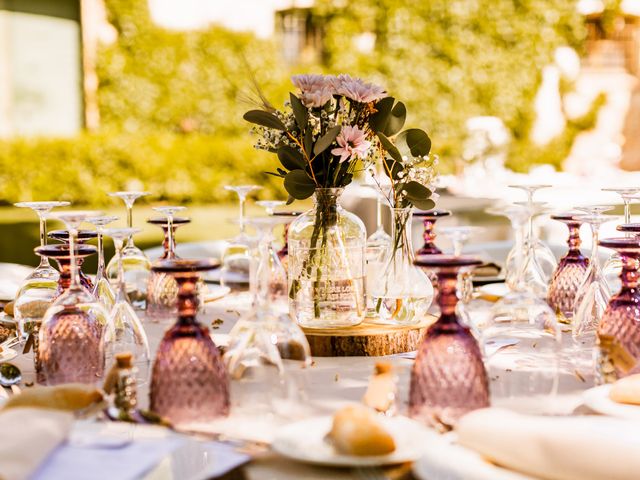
{"x": 183, "y": 168}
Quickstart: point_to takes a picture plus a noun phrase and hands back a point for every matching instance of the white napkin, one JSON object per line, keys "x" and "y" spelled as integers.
{"x": 558, "y": 448}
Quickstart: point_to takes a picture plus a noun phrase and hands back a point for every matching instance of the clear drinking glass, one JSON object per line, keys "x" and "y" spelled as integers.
{"x": 126, "y": 333}
{"x": 268, "y": 353}
{"x": 448, "y": 378}
{"x": 570, "y": 273}
{"x": 102, "y": 289}
{"x": 593, "y": 294}
{"x": 162, "y": 292}
{"x": 72, "y": 334}
{"x": 189, "y": 382}
{"x": 619, "y": 330}
{"x": 235, "y": 260}
{"x": 459, "y": 236}
{"x": 283, "y": 253}
{"x": 136, "y": 264}
{"x": 377, "y": 250}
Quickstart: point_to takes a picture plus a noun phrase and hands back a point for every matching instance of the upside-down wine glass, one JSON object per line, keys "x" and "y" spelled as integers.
{"x": 267, "y": 352}
{"x": 429, "y": 247}
{"x": 613, "y": 265}
{"x": 102, "y": 289}
{"x": 619, "y": 330}
{"x": 593, "y": 294}
{"x": 448, "y": 378}
{"x": 39, "y": 289}
{"x": 82, "y": 237}
{"x": 162, "y": 291}
{"x": 283, "y": 253}
{"x": 235, "y": 260}
{"x": 522, "y": 344}
{"x": 189, "y": 382}
{"x": 126, "y": 333}
{"x": 72, "y": 334}
{"x": 278, "y": 274}
{"x": 136, "y": 264}
{"x": 571, "y": 271}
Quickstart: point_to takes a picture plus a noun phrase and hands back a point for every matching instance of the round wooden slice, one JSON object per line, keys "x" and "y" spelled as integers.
{"x": 367, "y": 339}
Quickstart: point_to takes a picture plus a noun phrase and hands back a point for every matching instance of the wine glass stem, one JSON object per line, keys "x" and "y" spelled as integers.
{"x": 378, "y": 212}
{"x": 122, "y": 288}
{"x": 627, "y": 210}
{"x": 594, "y": 247}
{"x": 130, "y": 222}
{"x": 44, "y": 261}
{"x": 100, "y": 271}
{"x": 171, "y": 239}
{"x": 75, "y": 281}
{"x": 241, "y": 218}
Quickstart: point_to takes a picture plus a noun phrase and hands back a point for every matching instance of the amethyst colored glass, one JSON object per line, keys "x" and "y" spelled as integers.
{"x": 429, "y": 218}
{"x": 629, "y": 228}
{"x": 61, "y": 254}
{"x": 189, "y": 382}
{"x": 569, "y": 273}
{"x": 448, "y": 378}
{"x": 83, "y": 237}
{"x": 619, "y": 329}
{"x": 163, "y": 224}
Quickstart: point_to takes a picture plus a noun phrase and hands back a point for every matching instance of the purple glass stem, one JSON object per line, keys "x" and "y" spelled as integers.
{"x": 189, "y": 381}
{"x": 448, "y": 378}
{"x": 619, "y": 329}
{"x": 60, "y": 253}
{"x": 429, "y": 219}
{"x": 569, "y": 273}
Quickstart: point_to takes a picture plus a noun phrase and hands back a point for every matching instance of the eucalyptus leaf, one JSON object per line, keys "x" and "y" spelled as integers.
{"x": 414, "y": 142}
{"x": 308, "y": 142}
{"x": 422, "y": 203}
{"x": 389, "y": 147}
{"x": 266, "y": 119}
{"x": 290, "y": 200}
{"x": 379, "y": 120}
{"x": 299, "y": 112}
{"x": 290, "y": 158}
{"x": 326, "y": 140}
{"x": 299, "y": 185}
{"x": 396, "y": 119}
{"x": 417, "y": 190}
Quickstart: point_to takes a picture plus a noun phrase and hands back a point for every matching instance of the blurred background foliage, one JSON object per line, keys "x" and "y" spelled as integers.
{"x": 171, "y": 102}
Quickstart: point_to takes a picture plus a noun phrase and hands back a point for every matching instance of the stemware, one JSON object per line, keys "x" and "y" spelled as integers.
{"x": 283, "y": 253}
{"x": 267, "y": 349}
{"x": 235, "y": 260}
{"x": 522, "y": 344}
{"x": 429, "y": 219}
{"x": 189, "y": 382}
{"x": 162, "y": 291}
{"x": 126, "y": 333}
{"x": 102, "y": 289}
{"x": 71, "y": 337}
{"x": 459, "y": 236}
{"x": 278, "y": 274}
{"x": 136, "y": 264}
{"x": 82, "y": 237}
{"x": 570, "y": 273}
{"x": 378, "y": 245}
{"x": 619, "y": 330}
{"x": 448, "y": 378}
{"x": 38, "y": 290}
{"x": 593, "y": 294}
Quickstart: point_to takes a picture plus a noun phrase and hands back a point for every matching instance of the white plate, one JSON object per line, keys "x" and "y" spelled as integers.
{"x": 305, "y": 441}
{"x": 7, "y": 354}
{"x": 498, "y": 290}
{"x": 216, "y": 292}
{"x": 597, "y": 399}
{"x": 443, "y": 459}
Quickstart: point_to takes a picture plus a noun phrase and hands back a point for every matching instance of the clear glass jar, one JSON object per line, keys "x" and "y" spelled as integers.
{"x": 403, "y": 292}
{"x": 327, "y": 264}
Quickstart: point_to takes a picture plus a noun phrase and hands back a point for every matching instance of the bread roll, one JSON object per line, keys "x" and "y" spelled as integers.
{"x": 69, "y": 397}
{"x": 626, "y": 390}
{"x": 357, "y": 431}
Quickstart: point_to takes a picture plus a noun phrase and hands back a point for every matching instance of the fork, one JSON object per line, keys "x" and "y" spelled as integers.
{"x": 370, "y": 473}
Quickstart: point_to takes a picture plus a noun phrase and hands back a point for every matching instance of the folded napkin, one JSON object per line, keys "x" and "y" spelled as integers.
{"x": 558, "y": 448}
{"x": 29, "y": 436}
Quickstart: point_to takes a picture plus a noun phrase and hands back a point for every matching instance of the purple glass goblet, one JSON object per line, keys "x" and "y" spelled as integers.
{"x": 629, "y": 228}
{"x": 429, "y": 218}
{"x": 189, "y": 382}
{"x": 83, "y": 237}
{"x": 164, "y": 225}
{"x": 448, "y": 378}
{"x": 569, "y": 273}
{"x": 619, "y": 329}
{"x": 62, "y": 255}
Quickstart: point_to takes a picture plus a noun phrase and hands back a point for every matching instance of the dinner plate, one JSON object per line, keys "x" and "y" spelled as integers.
{"x": 216, "y": 292}
{"x": 305, "y": 441}
{"x": 597, "y": 399}
{"x": 7, "y": 354}
{"x": 446, "y": 460}
{"x": 493, "y": 291}
{"x": 214, "y": 276}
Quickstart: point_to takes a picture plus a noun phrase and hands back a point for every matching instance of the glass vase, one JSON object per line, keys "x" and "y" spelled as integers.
{"x": 448, "y": 378}
{"x": 327, "y": 264}
{"x": 403, "y": 293}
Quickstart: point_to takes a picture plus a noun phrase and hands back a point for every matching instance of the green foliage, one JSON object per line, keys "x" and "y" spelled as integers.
{"x": 453, "y": 59}
{"x": 183, "y": 168}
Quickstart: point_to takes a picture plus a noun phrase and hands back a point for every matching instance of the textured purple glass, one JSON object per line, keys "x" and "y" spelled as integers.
{"x": 448, "y": 378}
{"x": 429, "y": 219}
{"x": 569, "y": 273}
{"x": 83, "y": 237}
{"x": 189, "y": 382}
{"x": 629, "y": 227}
{"x": 619, "y": 329}
{"x": 60, "y": 253}
{"x": 163, "y": 224}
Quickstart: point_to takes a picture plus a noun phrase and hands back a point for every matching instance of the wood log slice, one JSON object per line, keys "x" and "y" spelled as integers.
{"x": 367, "y": 339}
